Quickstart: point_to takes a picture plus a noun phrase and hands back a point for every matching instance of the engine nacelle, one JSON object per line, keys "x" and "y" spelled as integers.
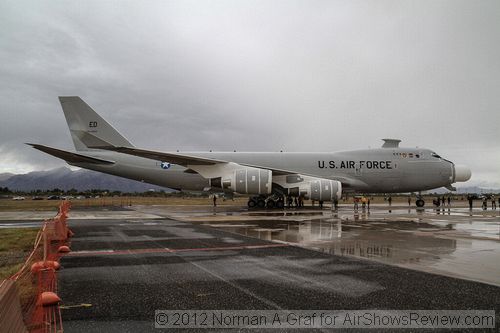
{"x": 325, "y": 190}
{"x": 319, "y": 189}
{"x": 245, "y": 180}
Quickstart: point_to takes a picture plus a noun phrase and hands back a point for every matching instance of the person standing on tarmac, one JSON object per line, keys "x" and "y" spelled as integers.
{"x": 469, "y": 197}
{"x": 493, "y": 202}
{"x": 449, "y": 201}
{"x": 363, "y": 203}
{"x": 409, "y": 201}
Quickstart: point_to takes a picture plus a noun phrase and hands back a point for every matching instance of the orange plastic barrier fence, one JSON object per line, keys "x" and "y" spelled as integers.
{"x": 11, "y": 317}
{"x": 36, "y": 281}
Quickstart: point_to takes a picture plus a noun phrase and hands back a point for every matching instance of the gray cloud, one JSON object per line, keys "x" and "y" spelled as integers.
{"x": 256, "y": 75}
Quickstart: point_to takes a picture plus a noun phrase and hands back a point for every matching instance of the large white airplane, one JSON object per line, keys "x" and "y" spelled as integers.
{"x": 266, "y": 176}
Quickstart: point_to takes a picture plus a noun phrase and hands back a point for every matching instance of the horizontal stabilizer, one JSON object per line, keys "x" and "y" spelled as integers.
{"x": 71, "y": 158}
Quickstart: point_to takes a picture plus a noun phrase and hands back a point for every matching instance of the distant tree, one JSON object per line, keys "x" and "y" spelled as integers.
{"x": 72, "y": 191}
{"x": 5, "y": 190}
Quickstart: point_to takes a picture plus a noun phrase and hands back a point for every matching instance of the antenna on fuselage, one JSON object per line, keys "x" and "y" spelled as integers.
{"x": 391, "y": 143}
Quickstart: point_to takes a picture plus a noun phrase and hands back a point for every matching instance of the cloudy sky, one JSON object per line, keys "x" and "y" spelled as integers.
{"x": 256, "y": 75}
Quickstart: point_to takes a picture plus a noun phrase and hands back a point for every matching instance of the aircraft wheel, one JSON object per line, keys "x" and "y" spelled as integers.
{"x": 420, "y": 203}
{"x": 252, "y": 203}
{"x": 270, "y": 204}
{"x": 261, "y": 203}
{"x": 280, "y": 204}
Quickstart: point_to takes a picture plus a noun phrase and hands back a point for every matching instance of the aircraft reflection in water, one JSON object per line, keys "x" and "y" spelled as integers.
{"x": 381, "y": 241}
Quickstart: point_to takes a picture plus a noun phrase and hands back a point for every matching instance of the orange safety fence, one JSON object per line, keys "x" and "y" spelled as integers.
{"x": 35, "y": 284}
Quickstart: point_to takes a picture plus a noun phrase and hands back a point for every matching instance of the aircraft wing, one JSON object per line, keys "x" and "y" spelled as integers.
{"x": 182, "y": 159}
{"x": 174, "y": 158}
{"x": 92, "y": 141}
{"x": 69, "y": 156}
{"x": 95, "y": 142}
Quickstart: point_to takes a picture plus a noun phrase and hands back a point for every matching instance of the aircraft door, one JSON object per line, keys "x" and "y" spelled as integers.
{"x": 357, "y": 169}
{"x": 392, "y": 177}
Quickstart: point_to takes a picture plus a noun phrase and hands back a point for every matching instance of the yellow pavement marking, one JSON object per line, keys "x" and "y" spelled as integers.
{"x": 83, "y": 305}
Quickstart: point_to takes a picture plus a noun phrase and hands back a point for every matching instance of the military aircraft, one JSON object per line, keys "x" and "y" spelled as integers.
{"x": 267, "y": 177}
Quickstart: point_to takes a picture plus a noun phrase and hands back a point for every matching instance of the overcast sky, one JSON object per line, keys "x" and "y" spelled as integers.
{"x": 256, "y": 76}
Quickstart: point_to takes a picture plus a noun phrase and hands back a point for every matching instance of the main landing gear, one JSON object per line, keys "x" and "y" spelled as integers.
{"x": 270, "y": 202}
{"x": 420, "y": 202}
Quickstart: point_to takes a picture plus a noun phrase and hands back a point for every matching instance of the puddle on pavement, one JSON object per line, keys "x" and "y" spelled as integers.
{"x": 461, "y": 246}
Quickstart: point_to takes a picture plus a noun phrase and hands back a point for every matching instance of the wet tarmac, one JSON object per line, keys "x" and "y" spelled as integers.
{"x": 34, "y": 218}
{"x": 454, "y": 242}
{"x": 122, "y": 270}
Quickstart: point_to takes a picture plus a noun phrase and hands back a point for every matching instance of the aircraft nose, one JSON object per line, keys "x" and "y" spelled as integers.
{"x": 462, "y": 173}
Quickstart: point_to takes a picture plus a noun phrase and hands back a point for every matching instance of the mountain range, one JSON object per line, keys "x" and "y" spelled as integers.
{"x": 66, "y": 179}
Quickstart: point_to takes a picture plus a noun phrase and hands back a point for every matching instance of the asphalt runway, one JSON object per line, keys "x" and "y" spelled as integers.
{"x": 122, "y": 270}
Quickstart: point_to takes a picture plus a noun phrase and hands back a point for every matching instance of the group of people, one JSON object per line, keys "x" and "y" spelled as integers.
{"x": 441, "y": 202}
{"x": 493, "y": 202}
{"x": 297, "y": 202}
{"x": 365, "y": 202}
{"x": 484, "y": 204}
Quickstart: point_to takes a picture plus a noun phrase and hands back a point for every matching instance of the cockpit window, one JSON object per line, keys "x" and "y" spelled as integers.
{"x": 435, "y": 155}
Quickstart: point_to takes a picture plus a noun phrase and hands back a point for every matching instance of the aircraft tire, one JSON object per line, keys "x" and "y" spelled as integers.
{"x": 420, "y": 203}
{"x": 261, "y": 203}
{"x": 270, "y": 204}
{"x": 251, "y": 203}
{"x": 280, "y": 204}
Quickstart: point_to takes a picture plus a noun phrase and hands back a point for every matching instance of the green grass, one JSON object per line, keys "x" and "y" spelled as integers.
{"x": 53, "y": 205}
{"x": 15, "y": 245}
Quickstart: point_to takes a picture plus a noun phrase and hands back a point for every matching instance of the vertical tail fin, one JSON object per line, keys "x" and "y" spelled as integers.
{"x": 82, "y": 121}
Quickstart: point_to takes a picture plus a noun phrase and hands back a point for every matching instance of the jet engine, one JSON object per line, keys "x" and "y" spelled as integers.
{"x": 244, "y": 180}
{"x": 313, "y": 188}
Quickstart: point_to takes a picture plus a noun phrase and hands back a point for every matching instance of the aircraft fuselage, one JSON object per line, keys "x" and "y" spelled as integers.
{"x": 385, "y": 170}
